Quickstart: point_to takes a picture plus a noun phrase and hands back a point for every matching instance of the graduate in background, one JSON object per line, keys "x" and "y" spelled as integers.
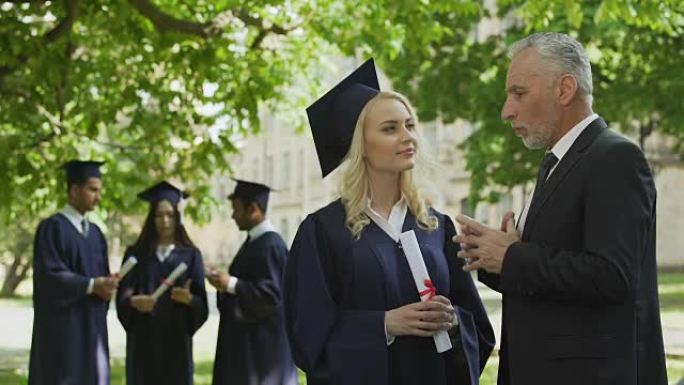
{"x": 159, "y": 333}
{"x": 71, "y": 289}
{"x": 353, "y": 311}
{"x": 252, "y": 347}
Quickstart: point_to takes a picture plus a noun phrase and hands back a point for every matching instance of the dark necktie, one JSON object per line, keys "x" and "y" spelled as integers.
{"x": 547, "y": 164}
{"x": 84, "y": 227}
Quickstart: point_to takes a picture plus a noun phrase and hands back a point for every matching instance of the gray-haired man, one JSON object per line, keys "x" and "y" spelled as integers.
{"x": 578, "y": 275}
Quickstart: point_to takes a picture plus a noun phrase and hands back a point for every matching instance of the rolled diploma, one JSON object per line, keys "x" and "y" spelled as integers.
{"x": 168, "y": 282}
{"x": 420, "y": 274}
{"x": 127, "y": 266}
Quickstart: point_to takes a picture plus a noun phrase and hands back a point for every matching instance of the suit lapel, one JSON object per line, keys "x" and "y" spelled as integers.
{"x": 566, "y": 164}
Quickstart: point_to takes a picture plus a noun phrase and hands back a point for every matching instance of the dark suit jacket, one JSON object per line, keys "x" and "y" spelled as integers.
{"x": 580, "y": 293}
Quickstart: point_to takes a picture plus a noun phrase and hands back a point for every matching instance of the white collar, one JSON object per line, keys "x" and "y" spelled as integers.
{"x": 258, "y": 230}
{"x": 163, "y": 252}
{"x": 74, "y": 217}
{"x": 394, "y": 224}
{"x": 563, "y": 145}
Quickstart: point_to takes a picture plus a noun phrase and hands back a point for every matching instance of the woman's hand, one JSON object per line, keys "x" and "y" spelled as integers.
{"x": 422, "y": 319}
{"x": 182, "y": 294}
{"x": 143, "y": 303}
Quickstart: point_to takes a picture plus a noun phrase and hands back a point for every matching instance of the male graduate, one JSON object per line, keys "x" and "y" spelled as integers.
{"x": 252, "y": 346}
{"x": 71, "y": 289}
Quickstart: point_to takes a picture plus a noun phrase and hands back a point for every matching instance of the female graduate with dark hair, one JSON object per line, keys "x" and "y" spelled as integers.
{"x": 353, "y": 311}
{"x": 159, "y": 332}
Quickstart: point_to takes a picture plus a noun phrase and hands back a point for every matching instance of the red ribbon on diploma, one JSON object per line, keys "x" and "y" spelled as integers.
{"x": 430, "y": 289}
{"x": 166, "y": 283}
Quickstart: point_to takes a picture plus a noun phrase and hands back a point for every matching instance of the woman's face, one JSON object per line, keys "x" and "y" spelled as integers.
{"x": 164, "y": 220}
{"x": 389, "y": 137}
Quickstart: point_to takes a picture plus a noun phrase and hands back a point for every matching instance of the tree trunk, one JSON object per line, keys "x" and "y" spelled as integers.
{"x": 21, "y": 263}
{"x": 15, "y": 274}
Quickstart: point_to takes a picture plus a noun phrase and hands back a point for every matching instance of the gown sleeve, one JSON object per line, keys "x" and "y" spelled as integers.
{"x": 258, "y": 297}
{"x": 328, "y": 341}
{"x": 57, "y": 284}
{"x": 475, "y": 330}
{"x": 199, "y": 309}
{"x": 124, "y": 311}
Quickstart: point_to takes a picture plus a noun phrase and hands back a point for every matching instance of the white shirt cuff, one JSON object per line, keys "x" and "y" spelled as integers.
{"x": 232, "y": 282}
{"x": 91, "y": 286}
{"x": 389, "y": 338}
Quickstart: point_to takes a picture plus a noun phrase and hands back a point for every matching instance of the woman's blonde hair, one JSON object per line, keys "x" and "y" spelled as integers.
{"x": 355, "y": 184}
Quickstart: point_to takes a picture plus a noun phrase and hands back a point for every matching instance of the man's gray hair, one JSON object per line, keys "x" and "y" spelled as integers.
{"x": 564, "y": 54}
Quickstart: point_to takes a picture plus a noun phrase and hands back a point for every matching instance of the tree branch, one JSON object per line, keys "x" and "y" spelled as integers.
{"x": 165, "y": 22}
{"x": 63, "y": 27}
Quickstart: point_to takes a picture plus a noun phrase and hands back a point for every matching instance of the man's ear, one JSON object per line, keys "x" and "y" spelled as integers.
{"x": 568, "y": 87}
{"x": 253, "y": 209}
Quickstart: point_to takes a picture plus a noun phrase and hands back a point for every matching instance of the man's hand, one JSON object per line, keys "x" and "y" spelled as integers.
{"x": 143, "y": 303}
{"x": 484, "y": 247}
{"x": 105, "y": 287}
{"x": 182, "y": 294}
{"x": 219, "y": 280}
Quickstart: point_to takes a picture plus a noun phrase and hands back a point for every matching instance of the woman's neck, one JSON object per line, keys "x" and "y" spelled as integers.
{"x": 385, "y": 191}
{"x": 166, "y": 241}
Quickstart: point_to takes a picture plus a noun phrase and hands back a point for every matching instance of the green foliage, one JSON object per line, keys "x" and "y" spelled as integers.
{"x": 451, "y": 68}
{"x": 153, "y": 99}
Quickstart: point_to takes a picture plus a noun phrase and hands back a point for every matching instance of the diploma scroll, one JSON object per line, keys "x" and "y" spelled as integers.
{"x": 426, "y": 289}
{"x": 127, "y": 266}
{"x": 168, "y": 282}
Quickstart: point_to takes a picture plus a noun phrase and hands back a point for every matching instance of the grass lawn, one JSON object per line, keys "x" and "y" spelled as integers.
{"x": 671, "y": 289}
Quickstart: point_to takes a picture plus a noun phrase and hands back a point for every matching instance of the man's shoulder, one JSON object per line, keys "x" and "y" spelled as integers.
{"x": 54, "y": 220}
{"x": 270, "y": 239}
{"x": 612, "y": 148}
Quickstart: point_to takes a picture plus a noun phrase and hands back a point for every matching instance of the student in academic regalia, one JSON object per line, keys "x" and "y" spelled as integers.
{"x": 353, "y": 311}
{"x": 252, "y": 347}
{"x": 71, "y": 289}
{"x": 159, "y": 333}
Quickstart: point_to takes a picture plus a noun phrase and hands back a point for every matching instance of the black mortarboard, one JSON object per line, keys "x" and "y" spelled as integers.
{"x": 80, "y": 170}
{"x": 251, "y": 192}
{"x": 163, "y": 191}
{"x": 333, "y": 117}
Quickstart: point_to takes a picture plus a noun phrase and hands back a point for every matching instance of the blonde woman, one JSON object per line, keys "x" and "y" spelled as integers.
{"x": 353, "y": 311}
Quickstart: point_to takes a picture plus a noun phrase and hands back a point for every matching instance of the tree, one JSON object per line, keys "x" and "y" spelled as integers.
{"x": 636, "y": 50}
{"x": 156, "y": 89}
{"x": 162, "y": 88}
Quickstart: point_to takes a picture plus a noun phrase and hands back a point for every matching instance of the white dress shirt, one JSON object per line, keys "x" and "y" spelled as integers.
{"x": 255, "y": 232}
{"x": 163, "y": 252}
{"x": 559, "y": 150}
{"x": 395, "y": 223}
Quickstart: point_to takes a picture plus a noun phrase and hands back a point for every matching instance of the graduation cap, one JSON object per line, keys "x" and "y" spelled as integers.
{"x": 163, "y": 191}
{"x": 333, "y": 117}
{"x": 80, "y": 170}
{"x": 251, "y": 192}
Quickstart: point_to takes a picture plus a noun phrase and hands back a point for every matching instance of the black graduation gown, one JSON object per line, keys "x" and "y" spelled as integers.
{"x": 159, "y": 344}
{"x": 337, "y": 291}
{"x": 67, "y": 322}
{"x": 252, "y": 346}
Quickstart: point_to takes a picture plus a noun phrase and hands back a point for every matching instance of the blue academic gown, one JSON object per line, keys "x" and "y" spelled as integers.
{"x": 159, "y": 344}
{"x": 337, "y": 291}
{"x": 67, "y": 322}
{"x": 252, "y": 347}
